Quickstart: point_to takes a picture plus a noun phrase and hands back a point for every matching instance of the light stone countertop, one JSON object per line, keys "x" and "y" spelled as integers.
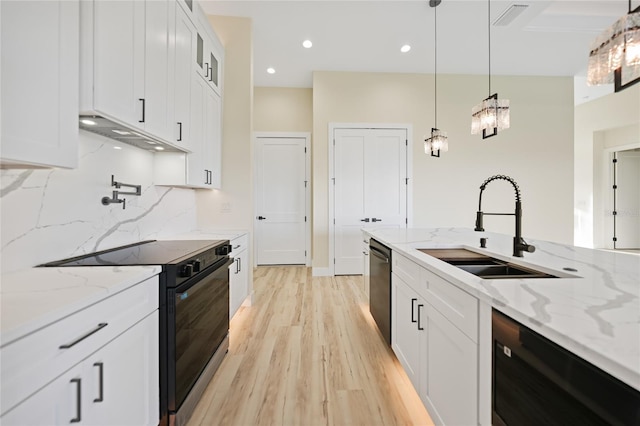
{"x": 594, "y": 312}
{"x": 34, "y": 298}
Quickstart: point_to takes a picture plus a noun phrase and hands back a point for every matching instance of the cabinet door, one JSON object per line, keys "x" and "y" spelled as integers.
{"x": 124, "y": 377}
{"x": 119, "y": 37}
{"x": 184, "y": 52}
{"x": 365, "y": 273}
{"x": 157, "y": 86}
{"x": 196, "y": 174}
{"x": 238, "y": 282}
{"x": 40, "y": 54}
{"x": 212, "y": 146}
{"x": 60, "y": 402}
{"x": 452, "y": 373}
{"x": 408, "y": 319}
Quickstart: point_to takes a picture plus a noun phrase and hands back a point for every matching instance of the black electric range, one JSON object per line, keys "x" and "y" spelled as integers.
{"x": 193, "y": 312}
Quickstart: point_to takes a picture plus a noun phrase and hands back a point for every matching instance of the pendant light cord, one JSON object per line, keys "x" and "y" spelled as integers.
{"x": 435, "y": 64}
{"x": 489, "y": 31}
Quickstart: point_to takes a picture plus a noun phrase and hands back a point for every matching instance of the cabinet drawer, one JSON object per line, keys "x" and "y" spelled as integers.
{"x": 240, "y": 243}
{"x": 456, "y": 305}
{"x": 408, "y": 271}
{"x": 30, "y": 363}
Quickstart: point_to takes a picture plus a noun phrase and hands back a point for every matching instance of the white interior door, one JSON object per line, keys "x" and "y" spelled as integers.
{"x": 281, "y": 192}
{"x": 628, "y": 199}
{"x": 370, "y": 189}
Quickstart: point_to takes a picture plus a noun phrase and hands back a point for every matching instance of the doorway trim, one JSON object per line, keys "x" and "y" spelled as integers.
{"x": 307, "y": 192}
{"x": 331, "y": 136}
{"x": 607, "y": 222}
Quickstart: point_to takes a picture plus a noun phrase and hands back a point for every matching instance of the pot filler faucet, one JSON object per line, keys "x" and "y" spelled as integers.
{"x": 519, "y": 245}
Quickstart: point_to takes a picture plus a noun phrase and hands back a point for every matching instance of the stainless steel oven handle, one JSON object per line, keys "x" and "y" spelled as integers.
{"x": 379, "y": 254}
{"x": 84, "y": 336}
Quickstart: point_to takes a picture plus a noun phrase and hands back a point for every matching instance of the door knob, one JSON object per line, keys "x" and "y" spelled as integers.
{"x": 373, "y": 219}
{"x": 366, "y": 219}
{"x": 261, "y": 218}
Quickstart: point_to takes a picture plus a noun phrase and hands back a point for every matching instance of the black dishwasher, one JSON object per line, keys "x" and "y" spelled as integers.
{"x": 380, "y": 287}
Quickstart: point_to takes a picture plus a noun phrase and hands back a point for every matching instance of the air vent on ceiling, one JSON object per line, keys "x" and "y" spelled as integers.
{"x": 511, "y": 13}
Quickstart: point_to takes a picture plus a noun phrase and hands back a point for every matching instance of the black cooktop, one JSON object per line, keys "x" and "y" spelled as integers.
{"x": 151, "y": 252}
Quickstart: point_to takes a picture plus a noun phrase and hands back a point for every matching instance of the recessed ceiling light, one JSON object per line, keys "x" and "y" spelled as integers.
{"x": 405, "y": 48}
{"x": 88, "y": 122}
{"x": 159, "y": 148}
{"x": 307, "y": 44}
{"x": 117, "y": 147}
{"x": 271, "y": 70}
{"x": 120, "y": 132}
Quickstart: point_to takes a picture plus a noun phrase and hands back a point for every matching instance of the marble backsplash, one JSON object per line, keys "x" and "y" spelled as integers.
{"x": 50, "y": 214}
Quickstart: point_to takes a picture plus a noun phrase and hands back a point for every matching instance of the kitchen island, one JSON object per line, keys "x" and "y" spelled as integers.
{"x": 592, "y": 309}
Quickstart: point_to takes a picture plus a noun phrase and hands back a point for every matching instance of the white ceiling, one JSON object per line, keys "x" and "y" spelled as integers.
{"x": 550, "y": 38}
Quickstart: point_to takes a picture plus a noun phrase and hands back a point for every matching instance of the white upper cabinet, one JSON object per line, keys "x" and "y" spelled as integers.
{"x": 197, "y": 104}
{"x": 208, "y": 54}
{"x": 183, "y": 40}
{"x": 39, "y": 75}
{"x": 127, "y": 67}
{"x": 118, "y": 30}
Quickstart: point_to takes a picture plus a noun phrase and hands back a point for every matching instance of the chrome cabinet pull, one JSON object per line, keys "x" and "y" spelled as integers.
{"x": 413, "y": 301}
{"x": 81, "y": 338}
{"x": 206, "y": 68}
{"x": 78, "y": 416}
{"x": 179, "y": 131}
{"x": 100, "y": 366}
{"x": 419, "y": 326}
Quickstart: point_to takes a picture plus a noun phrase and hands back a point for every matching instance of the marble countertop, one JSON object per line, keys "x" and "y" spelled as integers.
{"x": 34, "y": 298}
{"x": 594, "y": 312}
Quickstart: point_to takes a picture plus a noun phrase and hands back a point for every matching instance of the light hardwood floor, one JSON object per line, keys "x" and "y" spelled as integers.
{"x": 308, "y": 353}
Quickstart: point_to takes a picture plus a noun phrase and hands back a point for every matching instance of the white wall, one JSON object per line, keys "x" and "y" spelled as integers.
{"x": 537, "y": 151}
{"x": 600, "y": 126}
{"x": 51, "y": 214}
{"x": 282, "y": 109}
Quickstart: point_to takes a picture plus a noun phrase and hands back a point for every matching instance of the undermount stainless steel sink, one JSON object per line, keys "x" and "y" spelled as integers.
{"x": 483, "y": 266}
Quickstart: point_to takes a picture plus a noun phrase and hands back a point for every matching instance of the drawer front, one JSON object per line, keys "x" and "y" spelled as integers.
{"x": 408, "y": 271}
{"x": 456, "y": 305}
{"x": 30, "y": 363}
{"x": 240, "y": 243}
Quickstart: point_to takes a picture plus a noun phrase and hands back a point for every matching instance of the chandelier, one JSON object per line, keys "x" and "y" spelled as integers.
{"x": 492, "y": 114}
{"x": 438, "y": 140}
{"x": 615, "y": 54}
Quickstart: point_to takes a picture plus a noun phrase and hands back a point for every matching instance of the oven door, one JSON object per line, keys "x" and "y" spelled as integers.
{"x": 199, "y": 316}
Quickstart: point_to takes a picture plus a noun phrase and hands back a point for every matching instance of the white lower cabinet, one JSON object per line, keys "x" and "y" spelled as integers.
{"x": 435, "y": 343}
{"x": 115, "y": 385}
{"x": 408, "y": 334}
{"x": 366, "y": 274}
{"x": 452, "y": 373}
{"x": 96, "y": 366}
{"x": 238, "y": 274}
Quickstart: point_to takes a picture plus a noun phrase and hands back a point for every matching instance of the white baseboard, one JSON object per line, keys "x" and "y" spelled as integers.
{"x": 321, "y": 272}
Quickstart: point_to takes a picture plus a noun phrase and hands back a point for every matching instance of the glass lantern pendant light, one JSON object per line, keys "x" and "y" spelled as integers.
{"x": 438, "y": 140}
{"x": 492, "y": 114}
{"x": 615, "y": 54}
